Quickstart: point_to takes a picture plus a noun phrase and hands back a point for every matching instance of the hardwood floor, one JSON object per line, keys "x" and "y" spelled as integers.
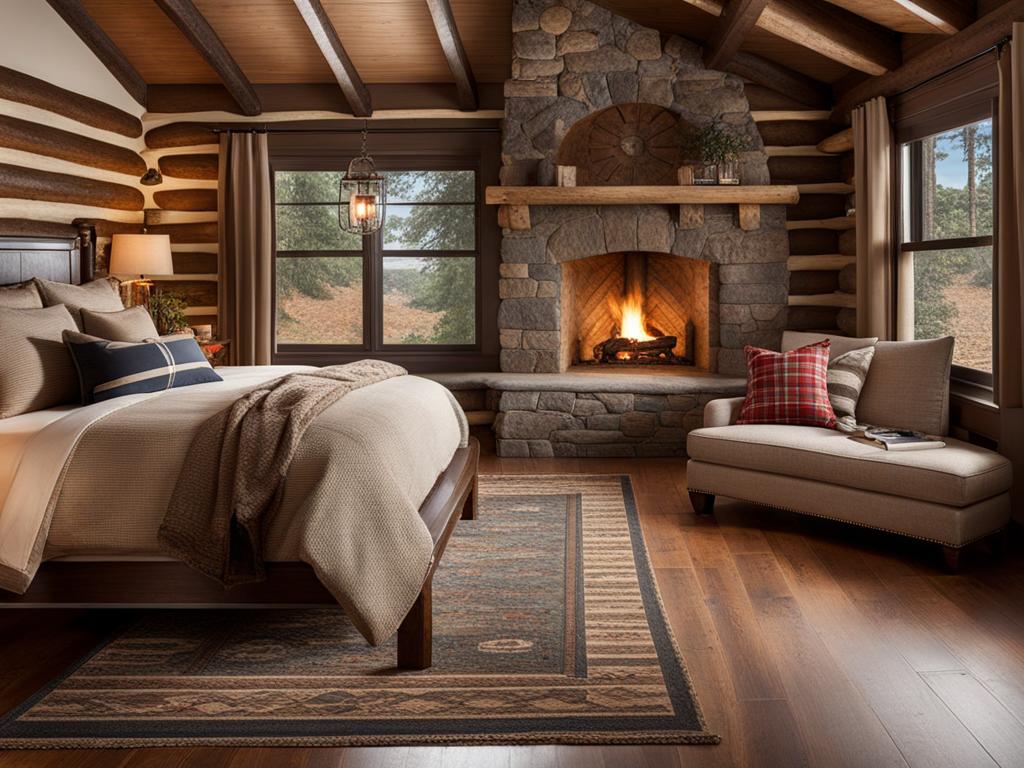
{"x": 809, "y": 643}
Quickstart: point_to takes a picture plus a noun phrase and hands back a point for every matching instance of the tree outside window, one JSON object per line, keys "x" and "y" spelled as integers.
{"x": 948, "y": 217}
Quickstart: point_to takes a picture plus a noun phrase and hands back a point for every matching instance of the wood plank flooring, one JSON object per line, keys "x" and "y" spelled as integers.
{"x": 808, "y": 642}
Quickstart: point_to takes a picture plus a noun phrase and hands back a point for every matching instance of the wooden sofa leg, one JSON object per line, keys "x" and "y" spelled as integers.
{"x": 703, "y": 503}
{"x": 951, "y": 555}
{"x": 1000, "y": 543}
{"x": 416, "y": 635}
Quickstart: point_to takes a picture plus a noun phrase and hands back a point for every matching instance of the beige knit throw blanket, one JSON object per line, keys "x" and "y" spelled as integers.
{"x": 233, "y": 476}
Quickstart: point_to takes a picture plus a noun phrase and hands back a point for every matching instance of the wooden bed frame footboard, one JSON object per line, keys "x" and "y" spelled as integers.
{"x": 166, "y": 583}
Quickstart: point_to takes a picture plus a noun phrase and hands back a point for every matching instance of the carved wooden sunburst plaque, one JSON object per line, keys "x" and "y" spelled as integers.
{"x": 637, "y": 144}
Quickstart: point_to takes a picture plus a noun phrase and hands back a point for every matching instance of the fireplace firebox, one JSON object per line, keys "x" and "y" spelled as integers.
{"x": 635, "y": 308}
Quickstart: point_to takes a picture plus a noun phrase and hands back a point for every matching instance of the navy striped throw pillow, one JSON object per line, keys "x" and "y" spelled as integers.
{"x": 108, "y": 369}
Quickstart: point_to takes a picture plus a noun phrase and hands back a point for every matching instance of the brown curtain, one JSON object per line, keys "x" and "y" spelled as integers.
{"x": 1010, "y": 235}
{"x": 872, "y": 152}
{"x": 246, "y": 253}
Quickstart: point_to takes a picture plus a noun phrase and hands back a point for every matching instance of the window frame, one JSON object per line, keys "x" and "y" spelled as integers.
{"x": 411, "y": 155}
{"x": 918, "y": 116}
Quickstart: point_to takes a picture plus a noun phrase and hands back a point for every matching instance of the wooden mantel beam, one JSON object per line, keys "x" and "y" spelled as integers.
{"x": 970, "y": 41}
{"x": 455, "y": 53}
{"x": 737, "y": 19}
{"x": 833, "y": 32}
{"x": 199, "y": 32}
{"x": 327, "y": 40}
{"x": 100, "y": 44}
{"x": 947, "y": 16}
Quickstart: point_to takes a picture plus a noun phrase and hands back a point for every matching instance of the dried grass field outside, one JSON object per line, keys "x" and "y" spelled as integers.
{"x": 972, "y": 325}
{"x": 339, "y": 319}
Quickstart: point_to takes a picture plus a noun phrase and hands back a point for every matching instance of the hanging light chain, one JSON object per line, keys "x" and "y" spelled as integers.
{"x": 362, "y": 150}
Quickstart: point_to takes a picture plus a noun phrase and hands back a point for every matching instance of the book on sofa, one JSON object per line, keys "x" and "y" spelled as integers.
{"x": 902, "y": 439}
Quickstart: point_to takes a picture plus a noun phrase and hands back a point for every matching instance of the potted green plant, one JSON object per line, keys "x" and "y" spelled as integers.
{"x": 168, "y": 312}
{"x": 718, "y": 151}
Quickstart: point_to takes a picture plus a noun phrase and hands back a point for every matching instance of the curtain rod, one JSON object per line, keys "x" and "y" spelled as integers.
{"x": 269, "y": 129}
{"x": 997, "y": 46}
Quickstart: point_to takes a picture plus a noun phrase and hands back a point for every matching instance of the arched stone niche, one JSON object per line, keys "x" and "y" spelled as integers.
{"x": 626, "y": 144}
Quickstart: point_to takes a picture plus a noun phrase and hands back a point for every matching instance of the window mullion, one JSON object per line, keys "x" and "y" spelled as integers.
{"x": 369, "y": 292}
{"x": 373, "y": 303}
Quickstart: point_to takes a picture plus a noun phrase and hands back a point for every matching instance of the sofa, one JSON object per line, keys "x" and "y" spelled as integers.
{"x": 951, "y": 496}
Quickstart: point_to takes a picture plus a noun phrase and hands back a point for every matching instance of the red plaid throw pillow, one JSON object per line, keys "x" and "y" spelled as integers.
{"x": 788, "y": 387}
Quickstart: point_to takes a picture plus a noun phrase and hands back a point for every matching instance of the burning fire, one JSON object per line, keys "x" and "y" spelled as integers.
{"x": 630, "y": 314}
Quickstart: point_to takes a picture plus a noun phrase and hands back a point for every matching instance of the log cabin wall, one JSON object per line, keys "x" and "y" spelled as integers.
{"x": 185, "y": 207}
{"x": 807, "y": 149}
{"x": 73, "y": 149}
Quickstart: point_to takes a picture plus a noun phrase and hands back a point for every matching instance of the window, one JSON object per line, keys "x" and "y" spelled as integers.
{"x": 414, "y": 286}
{"x": 429, "y": 262}
{"x": 946, "y": 241}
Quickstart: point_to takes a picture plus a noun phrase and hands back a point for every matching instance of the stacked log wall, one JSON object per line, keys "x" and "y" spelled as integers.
{"x": 68, "y": 159}
{"x": 808, "y": 150}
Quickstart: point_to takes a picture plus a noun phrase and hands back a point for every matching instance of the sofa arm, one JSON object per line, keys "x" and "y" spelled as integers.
{"x": 722, "y": 412}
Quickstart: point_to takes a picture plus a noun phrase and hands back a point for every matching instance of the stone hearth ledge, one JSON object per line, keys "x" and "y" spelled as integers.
{"x": 592, "y": 415}
{"x": 578, "y": 381}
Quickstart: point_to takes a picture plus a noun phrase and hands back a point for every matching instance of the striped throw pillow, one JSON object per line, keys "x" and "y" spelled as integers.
{"x": 108, "y": 369}
{"x": 846, "y": 376}
{"x": 788, "y": 387}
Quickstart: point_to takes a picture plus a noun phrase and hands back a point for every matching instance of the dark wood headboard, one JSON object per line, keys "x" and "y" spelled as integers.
{"x": 51, "y": 258}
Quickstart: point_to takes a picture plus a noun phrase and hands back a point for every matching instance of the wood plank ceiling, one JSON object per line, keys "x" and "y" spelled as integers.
{"x": 810, "y": 46}
{"x": 389, "y": 41}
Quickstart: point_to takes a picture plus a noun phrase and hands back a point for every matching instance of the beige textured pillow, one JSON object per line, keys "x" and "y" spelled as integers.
{"x": 908, "y": 386}
{"x": 99, "y": 295}
{"x": 839, "y": 345}
{"x": 36, "y": 370}
{"x": 20, "y": 296}
{"x": 132, "y": 324}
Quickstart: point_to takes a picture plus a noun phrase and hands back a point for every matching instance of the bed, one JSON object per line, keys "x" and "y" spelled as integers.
{"x": 105, "y": 472}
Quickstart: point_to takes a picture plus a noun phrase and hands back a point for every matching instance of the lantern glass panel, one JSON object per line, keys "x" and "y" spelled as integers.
{"x": 362, "y": 204}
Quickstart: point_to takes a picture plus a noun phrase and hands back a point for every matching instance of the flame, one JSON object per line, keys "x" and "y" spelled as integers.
{"x": 630, "y": 314}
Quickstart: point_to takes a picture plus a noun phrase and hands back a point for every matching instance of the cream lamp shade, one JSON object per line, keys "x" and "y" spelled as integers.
{"x": 141, "y": 255}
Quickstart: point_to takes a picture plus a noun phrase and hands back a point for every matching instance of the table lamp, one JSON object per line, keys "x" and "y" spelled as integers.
{"x": 134, "y": 257}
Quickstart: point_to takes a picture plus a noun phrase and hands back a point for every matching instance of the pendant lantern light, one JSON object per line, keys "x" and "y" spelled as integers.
{"x": 362, "y": 196}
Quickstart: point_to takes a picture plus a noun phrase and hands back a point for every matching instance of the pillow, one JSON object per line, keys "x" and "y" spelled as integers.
{"x": 132, "y": 324}
{"x": 846, "y": 376}
{"x": 788, "y": 387}
{"x": 109, "y": 369}
{"x": 20, "y": 296}
{"x": 840, "y": 344}
{"x": 36, "y": 370}
{"x": 908, "y": 386}
{"x": 99, "y": 295}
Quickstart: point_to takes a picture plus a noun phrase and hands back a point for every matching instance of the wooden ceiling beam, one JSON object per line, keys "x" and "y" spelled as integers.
{"x": 737, "y": 19}
{"x": 327, "y": 40}
{"x": 758, "y": 70}
{"x": 199, "y": 32}
{"x": 833, "y": 32}
{"x": 970, "y": 41}
{"x": 947, "y": 16}
{"x": 102, "y": 46}
{"x": 455, "y": 53}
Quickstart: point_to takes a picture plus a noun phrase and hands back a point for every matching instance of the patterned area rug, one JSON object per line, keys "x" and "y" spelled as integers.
{"x": 548, "y": 629}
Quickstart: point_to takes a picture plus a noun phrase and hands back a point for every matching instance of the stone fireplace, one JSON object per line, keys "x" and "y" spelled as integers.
{"x": 595, "y": 91}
